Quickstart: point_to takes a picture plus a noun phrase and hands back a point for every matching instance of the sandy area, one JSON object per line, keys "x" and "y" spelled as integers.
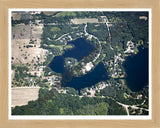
{"x": 21, "y": 96}
{"x": 21, "y": 36}
{"x": 86, "y": 20}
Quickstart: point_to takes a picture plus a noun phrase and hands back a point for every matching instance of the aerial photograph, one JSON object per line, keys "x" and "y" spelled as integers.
{"x": 79, "y": 63}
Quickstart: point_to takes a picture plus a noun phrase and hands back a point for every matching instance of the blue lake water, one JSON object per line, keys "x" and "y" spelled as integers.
{"x": 98, "y": 74}
{"x": 137, "y": 70}
{"x": 81, "y": 48}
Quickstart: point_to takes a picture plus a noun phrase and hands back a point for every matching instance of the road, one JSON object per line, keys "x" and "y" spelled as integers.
{"x": 109, "y": 34}
{"x": 97, "y": 40}
{"x": 61, "y": 36}
{"x": 123, "y": 105}
{"x": 132, "y": 106}
{"x": 86, "y": 34}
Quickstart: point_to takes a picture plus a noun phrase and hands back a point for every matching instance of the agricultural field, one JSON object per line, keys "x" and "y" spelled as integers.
{"x": 84, "y": 21}
{"x": 73, "y": 63}
{"x": 21, "y": 96}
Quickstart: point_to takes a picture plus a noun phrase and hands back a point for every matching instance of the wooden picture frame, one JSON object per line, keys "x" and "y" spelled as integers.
{"x": 4, "y": 75}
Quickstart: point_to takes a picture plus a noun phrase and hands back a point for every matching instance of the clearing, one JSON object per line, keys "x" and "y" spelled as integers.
{"x": 21, "y": 95}
{"x": 86, "y": 20}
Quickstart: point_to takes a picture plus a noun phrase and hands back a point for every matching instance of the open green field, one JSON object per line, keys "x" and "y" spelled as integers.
{"x": 53, "y": 46}
{"x": 49, "y": 13}
{"x": 62, "y": 14}
{"x": 55, "y": 29}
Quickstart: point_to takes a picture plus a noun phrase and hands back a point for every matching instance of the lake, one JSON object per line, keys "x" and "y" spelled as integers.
{"x": 137, "y": 70}
{"x": 98, "y": 74}
{"x": 81, "y": 48}
{"x": 136, "y": 67}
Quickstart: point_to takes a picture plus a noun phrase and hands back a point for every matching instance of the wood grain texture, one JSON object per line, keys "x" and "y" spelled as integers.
{"x": 6, "y": 4}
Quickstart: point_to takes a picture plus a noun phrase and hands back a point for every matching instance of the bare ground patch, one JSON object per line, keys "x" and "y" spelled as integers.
{"x": 21, "y": 96}
{"x": 26, "y": 44}
{"x": 85, "y": 20}
{"x": 25, "y": 50}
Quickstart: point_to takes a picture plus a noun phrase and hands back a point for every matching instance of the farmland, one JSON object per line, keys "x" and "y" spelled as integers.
{"x": 21, "y": 96}
{"x": 38, "y": 38}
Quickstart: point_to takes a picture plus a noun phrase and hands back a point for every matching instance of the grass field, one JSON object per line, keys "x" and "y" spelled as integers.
{"x": 49, "y": 13}
{"x": 60, "y": 46}
{"x": 55, "y": 29}
{"x": 62, "y": 14}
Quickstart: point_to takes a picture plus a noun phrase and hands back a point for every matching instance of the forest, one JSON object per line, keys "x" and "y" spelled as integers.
{"x": 125, "y": 27}
{"x": 54, "y": 103}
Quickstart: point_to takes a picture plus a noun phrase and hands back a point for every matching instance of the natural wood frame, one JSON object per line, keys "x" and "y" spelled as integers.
{"x": 6, "y": 4}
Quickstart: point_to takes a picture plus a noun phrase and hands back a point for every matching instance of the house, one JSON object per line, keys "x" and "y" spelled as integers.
{"x": 143, "y": 17}
{"x": 102, "y": 19}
